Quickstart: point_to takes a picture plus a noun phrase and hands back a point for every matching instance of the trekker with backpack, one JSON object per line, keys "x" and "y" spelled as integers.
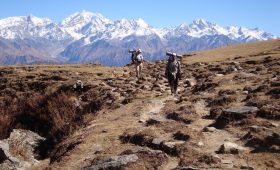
{"x": 137, "y": 59}
{"x": 173, "y": 71}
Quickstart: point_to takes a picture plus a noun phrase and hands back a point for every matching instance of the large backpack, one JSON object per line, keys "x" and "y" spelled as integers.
{"x": 138, "y": 58}
{"x": 173, "y": 68}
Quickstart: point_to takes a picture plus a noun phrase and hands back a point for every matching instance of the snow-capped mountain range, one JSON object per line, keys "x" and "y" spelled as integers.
{"x": 87, "y": 37}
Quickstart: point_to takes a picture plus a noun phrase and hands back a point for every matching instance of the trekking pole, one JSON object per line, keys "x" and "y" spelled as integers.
{"x": 174, "y": 54}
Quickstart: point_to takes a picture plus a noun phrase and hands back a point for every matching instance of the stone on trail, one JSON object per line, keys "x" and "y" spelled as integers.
{"x": 209, "y": 129}
{"x": 187, "y": 168}
{"x": 140, "y": 149}
{"x": 242, "y": 110}
{"x": 247, "y": 167}
{"x": 234, "y": 115}
{"x": 231, "y": 148}
{"x": 172, "y": 147}
{"x": 200, "y": 143}
{"x": 158, "y": 141}
{"x": 114, "y": 162}
{"x": 228, "y": 163}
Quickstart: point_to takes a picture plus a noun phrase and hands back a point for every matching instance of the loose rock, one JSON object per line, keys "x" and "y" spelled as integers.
{"x": 231, "y": 148}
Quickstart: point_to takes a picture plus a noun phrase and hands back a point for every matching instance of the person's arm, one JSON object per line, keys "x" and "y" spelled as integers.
{"x": 179, "y": 73}
{"x": 166, "y": 70}
{"x": 132, "y": 57}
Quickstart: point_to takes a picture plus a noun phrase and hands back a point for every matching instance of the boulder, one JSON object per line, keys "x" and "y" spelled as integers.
{"x": 172, "y": 147}
{"x": 158, "y": 141}
{"x": 241, "y": 110}
{"x": 231, "y": 148}
{"x": 20, "y": 148}
{"x": 235, "y": 116}
{"x": 209, "y": 129}
{"x": 114, "y": 162}
{"x": 247, "y": 167}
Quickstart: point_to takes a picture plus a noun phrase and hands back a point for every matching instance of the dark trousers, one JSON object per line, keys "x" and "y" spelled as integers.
{"x": 173, "y": 82}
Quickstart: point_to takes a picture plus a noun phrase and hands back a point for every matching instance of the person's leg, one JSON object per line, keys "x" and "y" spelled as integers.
{"x": 137, "y": 70}
{"x": 176, "y": 84}
{"x": 171, "y": 83}
{"x": 140, "y": 69}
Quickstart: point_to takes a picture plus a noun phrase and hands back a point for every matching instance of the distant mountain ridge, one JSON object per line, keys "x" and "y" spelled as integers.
{"x": 86, "y": 37}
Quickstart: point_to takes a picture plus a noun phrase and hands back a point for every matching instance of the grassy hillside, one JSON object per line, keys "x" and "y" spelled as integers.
{"x": 116, "y": 121}
{"x": 238, "y": 51}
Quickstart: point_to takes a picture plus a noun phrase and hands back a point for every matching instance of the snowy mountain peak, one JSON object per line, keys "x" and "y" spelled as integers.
{"x": 202, "y": 24}
{"x": 133, "y": 24}
{"x": 94, "y": 26}
{"x": 85, "y": 36}
{"x": 81, "y": 23}
{"x": 142, "y": 23}
{"x": 182, "y": 26}
{"x": 200, "y": 21}
{"x": 82, "y": 18}
{"x": 24, "y": 20}
{"x": 38, "y": 21}
{"x": 24, "y": 27}
{"x": 124, "y": 27}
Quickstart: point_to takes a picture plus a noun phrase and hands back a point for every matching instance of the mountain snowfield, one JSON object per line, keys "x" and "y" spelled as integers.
{"x": 86, "y": 37}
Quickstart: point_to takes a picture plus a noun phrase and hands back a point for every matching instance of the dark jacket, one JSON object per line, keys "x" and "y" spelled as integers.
{"x": 169, "y": 66}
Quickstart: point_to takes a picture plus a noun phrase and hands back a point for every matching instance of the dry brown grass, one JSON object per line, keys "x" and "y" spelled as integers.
{"x": 232, "y": 51}
{"x": 53, "y": 116}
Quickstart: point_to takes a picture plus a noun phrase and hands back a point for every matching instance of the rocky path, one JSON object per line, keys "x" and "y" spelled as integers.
{"x": 101, "y": 137}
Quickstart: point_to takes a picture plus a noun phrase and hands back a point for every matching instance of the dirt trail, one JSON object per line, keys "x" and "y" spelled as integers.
{"x": 101, "y": 137}
{"x": 213, "y": 140}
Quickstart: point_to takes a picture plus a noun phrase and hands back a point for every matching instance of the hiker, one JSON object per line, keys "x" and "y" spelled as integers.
{"x": 137, "y": 60}
{"x": 173, "y": 71}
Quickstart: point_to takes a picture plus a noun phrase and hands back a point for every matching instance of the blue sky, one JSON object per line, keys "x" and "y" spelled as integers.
{"x": 158, "y": 13}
